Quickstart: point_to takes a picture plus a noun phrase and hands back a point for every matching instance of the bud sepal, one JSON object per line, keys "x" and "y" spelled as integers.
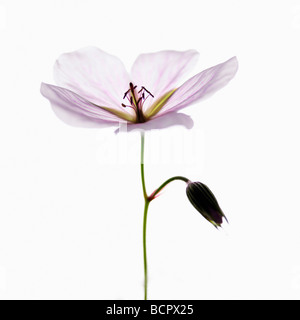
{"x": 205, "y": 202}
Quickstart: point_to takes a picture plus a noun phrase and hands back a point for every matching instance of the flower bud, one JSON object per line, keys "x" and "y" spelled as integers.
{"x": 205, "y": 202}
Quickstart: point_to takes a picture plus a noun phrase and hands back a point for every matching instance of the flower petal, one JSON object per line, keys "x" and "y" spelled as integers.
{"x": 159, "y": 72}
{"x": 93, "y": 74}
{"x": 201, "y": 85}
{"x": 172, "y": 119}
{"x": 77, "y": 111}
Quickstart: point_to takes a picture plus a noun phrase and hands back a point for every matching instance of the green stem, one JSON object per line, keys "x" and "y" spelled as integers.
{"x": 147, "y": 202}
{"x": 157, "y": 191}
{"x": 145, "y": 250}
{"x": 142, "y": 165}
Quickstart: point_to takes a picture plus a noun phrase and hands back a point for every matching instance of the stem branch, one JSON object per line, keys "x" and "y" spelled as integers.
{"x": 157, "y": 191}
{"x": 148, "y": 199}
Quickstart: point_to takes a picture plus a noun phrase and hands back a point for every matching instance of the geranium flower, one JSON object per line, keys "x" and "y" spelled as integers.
{"x": 95, "y": 90}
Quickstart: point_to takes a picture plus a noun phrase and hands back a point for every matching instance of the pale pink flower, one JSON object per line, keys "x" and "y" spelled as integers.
{"x": 95, "y": 90}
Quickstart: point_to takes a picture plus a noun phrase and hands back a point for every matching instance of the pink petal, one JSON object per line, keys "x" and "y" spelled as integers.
{"x": 93, "y": 74}
{"x": 201, "y": 85}
{"x": 170, "y": 120}
{"x": 75, "y": 110}
{"x": 159, "y": 72}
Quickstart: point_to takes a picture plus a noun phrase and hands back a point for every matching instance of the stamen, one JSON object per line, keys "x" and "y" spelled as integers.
{"x": 124, "y": 106}
{"x": 143, "y": 88}
{"x": 126, "y": 93}
{"x": 137, "y": 100}
{"x": 140, "y": 99}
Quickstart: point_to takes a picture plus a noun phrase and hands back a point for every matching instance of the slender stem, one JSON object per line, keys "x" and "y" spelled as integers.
{"x": 145, "y": 250}
{"x": 147, "y": 202}
{"x": 142, "y": 165}
{"x": 152, "y": 196}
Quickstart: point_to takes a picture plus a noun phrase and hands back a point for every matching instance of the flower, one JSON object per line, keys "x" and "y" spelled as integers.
{"x": 205, "y": 202}
{"x": 95, "y": 90}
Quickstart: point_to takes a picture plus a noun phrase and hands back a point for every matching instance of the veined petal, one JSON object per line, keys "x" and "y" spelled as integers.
{"x": 170, "y": 120}
{"x": 77, "y": 111}
{"x": 93, "y": 74}
{"x": 159, "y": 72}
{"x": 201, "y": 85}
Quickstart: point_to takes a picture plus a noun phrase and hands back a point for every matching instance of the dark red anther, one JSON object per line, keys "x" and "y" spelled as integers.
{"x": 143, "y": 88}
{"x": 126, "y": 93}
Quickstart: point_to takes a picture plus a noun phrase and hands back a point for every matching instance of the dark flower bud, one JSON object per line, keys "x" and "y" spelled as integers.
{"x": 205, "y": 202}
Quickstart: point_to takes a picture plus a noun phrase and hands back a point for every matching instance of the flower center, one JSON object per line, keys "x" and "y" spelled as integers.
{"x": 136, "y": 100}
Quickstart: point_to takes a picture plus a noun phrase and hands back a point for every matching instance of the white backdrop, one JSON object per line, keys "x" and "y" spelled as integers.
{"x": 71, "y": 199}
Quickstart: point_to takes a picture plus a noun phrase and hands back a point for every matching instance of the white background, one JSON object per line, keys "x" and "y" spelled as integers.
{"x": 71, "y": 199}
